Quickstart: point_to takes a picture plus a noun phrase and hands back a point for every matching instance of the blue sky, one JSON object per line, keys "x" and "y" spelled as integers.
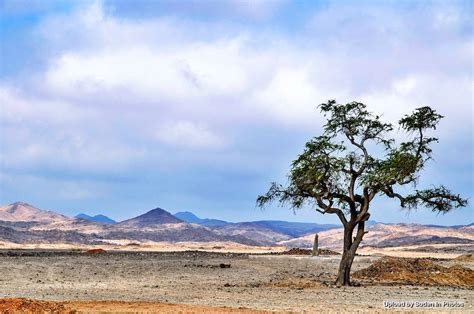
{"x": 117, "y": 107}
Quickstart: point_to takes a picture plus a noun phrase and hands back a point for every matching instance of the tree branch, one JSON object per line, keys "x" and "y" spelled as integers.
{"x": 331, "y": 210}
{"x": 437, "y": 199}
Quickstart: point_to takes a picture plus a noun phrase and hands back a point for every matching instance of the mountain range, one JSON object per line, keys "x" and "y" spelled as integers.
{"x": 291, "y": 229}
{"x": 393, "y": 235}
{"x": 193, "y": 219}
{"x": 23, "y": 223}
{"x": 97, "y": 218}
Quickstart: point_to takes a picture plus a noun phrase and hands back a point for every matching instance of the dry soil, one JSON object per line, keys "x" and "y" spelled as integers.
{"x": 259, "y": 282}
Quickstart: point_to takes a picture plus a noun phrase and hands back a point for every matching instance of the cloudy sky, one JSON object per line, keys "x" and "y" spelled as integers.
{"x": 117, "y": 107}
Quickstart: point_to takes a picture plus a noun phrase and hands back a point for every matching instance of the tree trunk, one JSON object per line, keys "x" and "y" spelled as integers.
{"x": 348, "y": 254}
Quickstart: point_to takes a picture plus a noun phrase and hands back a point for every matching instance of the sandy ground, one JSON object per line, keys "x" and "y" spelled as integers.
{"x": 260, "y": 282}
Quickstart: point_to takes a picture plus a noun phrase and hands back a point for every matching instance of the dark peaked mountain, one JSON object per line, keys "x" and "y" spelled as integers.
{"x": 193, "y": 219}
{"x": 160, "y": 225}
{"x": 97, "y": 218}
{"x": 155, "y": 216}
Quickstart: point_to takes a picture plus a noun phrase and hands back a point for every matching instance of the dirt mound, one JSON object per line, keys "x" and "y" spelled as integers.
{"x": 20, "y": 305}
{"x": 96, "y": 251}
{"x": 465, "y": 258}
{"x": 16, "y": 305}
{"x": 395, "y": 270}
{"x": 298, "y": 251}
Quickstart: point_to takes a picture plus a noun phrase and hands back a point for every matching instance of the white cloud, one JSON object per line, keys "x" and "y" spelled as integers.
{"x": 188, "y": 134}
{"x": 405, "y": 85}
{"x": 119, "y": 93}
{"x": 52, "y": 132}
{"x": 19, "y": 108}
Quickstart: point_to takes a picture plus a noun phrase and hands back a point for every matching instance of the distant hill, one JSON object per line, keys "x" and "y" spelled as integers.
{"x": 193, "y": 219}
{"x": 389, "y": 235}
{"x": 160, "y": 225}
{"x": 97, "y": 218}
{"x": 23, "y": 223}
{"x": 20, "y": 211}
{"x": 294, "y": 229}
{"x": 155, "y": 225}
{"x": 157, "y": 216}
{"x": 251, "y": 230}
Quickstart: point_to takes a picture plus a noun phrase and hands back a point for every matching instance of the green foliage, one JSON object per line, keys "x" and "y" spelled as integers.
{"x": 336, "y": 173}
{"x": 423, "y": 118}
{"x": 437, "y": 199}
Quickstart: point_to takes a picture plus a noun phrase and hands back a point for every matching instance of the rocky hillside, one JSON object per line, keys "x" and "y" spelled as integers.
{"x": 253, "y": 231}
{"x": 387, "y": 235}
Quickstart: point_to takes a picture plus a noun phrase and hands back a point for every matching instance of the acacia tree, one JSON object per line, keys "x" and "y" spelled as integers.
{"x": 356, "y": 160}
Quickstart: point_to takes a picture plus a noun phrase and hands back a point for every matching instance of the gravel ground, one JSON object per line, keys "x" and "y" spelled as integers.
{"x": 282, "y": 283}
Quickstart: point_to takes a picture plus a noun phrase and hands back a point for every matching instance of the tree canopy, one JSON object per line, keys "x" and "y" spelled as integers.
{"x": 337, "y": 173}
{"x": 356, "y": 159}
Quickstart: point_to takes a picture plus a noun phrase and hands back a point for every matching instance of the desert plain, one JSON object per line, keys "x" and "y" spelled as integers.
{"x": 158, "y": 263}
{"x": 203, "y": 281}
